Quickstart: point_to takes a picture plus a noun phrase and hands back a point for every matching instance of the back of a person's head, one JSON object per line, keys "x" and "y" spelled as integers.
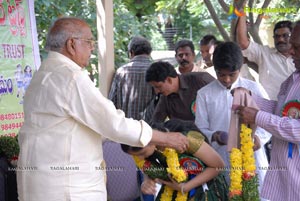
{"x": 208, "y": 40}
{"x": 63, "y": 29}
{"x": 139, "y": 45}
{"x": 159, "y": 71}
{"x": 283, "y": 24}
{"x": 227, "y": 55}
{"x": 184, "y": 43}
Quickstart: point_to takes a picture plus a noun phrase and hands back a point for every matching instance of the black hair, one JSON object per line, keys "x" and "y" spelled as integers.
{"x": 139, "y": 45}
{"x": 177, "y": 125}
{"x": 228, "y": 55}
{"x": 159, "y": 71}
{"x": 283, "y": 24}
{"x": 126, "y": 148}
{"x": 208, "y": 40}
{"x": 184, "y": 43}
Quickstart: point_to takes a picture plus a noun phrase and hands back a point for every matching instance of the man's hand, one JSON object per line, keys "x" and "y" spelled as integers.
{"x": 173, "y": 140}
{"x": 172, "y": 183}
{"x": 177, "y": 141}
{"x": 246, "y": 114}
{"x": 240, "y": 89}
{"x": 148, "y": 186}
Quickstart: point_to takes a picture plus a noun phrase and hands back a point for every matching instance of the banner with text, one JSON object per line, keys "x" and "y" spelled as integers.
{"x": 19, "y": 59}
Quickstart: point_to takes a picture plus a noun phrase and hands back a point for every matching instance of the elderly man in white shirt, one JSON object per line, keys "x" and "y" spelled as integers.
{"x": 66, "y": 120}
{"x": 214, "y": 104}
{"x": 274, "y": 64}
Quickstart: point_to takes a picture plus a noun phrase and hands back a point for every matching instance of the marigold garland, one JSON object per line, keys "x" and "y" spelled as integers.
{"x": 244, "y": 183}
{"x": 138, "y": 162}
{"x": 174, "y": 166}
{"x": 250, "y": 179}
{"x": 236, "y": 174}
{"x": 174, "y": 169}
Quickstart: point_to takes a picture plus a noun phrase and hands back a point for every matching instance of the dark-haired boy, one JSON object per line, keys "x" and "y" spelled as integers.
{"x": 214, "y": 103}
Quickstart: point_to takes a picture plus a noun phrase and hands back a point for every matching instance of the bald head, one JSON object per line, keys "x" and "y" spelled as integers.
{"x": 63, "y": 29}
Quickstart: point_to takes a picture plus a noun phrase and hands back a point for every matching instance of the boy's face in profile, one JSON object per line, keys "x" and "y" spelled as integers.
{"x": 227, "y": 77}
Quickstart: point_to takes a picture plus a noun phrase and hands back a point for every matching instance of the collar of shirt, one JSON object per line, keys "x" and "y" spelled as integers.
{"x": 140, "y": 57}
{"x": 234, "y": 85}
{"x": 275, "y": 51}
{"x": 58, "y": 56}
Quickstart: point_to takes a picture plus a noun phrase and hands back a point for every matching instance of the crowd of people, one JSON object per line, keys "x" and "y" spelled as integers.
{"x": 153, "y": 107}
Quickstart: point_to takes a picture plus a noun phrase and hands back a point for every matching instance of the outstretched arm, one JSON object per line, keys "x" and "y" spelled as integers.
{"x": 214, "y": 164}
{"x": 173, "y": 140}
{"x": 241, "y": 33}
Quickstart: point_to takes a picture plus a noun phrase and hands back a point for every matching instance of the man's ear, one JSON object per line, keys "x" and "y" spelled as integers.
{"x": 211, "y": 49}
{"x": 130, "y": 54}
{"x": 70, "y": 46}
{"x": 169, "y": 80}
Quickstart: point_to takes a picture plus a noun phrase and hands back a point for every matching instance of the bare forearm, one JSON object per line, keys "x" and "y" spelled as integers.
{"x": 172, "y": 139}
{"x": 208, "y": 174}
{"x": 242, "y": 37}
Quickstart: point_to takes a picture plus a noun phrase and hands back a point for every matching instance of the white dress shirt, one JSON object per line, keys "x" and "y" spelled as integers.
{"x": 273, "y": 67}
{"x": 66, "y": 120}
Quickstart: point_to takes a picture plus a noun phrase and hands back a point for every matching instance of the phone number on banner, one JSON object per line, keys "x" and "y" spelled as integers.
{"x": 11, "y": 126}
{"x": 11, "y": 116}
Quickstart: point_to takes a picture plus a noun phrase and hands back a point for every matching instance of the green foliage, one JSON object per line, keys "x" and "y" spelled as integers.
{"x": 250, "y": 189}
{"x": 140, "y": 7}
{"x": 9, "y": 147}
{"x": 47, "y": 12}
{"x": 149, "y": 18}
{"x": 293, "y": 15}
{"x": 190, "y": 17}
{"x": 127, "y": 24}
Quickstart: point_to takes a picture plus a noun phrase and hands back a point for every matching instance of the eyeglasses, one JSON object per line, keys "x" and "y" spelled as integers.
{"x": 285, "y": 36}
{"x": 91, "y": 42}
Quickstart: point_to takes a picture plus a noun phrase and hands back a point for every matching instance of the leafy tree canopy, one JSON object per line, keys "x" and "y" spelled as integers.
{"x": 163, "y": 22}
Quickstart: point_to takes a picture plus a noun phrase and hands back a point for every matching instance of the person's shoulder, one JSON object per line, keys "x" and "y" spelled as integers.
{"x": 123, "y": 69}
{"x": 208, "y": 88}
{"x": 256, "y": 87}
{"x": 266, "y": 48}
{"x": 195, "y": 75}
{"x": 248, "y": 83}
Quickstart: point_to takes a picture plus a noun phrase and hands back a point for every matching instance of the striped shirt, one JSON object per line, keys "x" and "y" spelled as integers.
{"x": 129, "y": 90}
{"x": 283, "y": 177}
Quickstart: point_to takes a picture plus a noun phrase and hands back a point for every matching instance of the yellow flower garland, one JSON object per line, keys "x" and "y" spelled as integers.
{"x": 139, "y": 162}
{"x": 174, "y": 169}
{"x": 247, "y": 149}
{"x": 236, "y": 172}
{"x": 243, "y": 168}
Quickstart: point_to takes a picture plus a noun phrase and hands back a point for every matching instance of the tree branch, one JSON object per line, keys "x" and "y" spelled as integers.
{"x": 260, "y": 16}
{"x": 216, "y": 20}
{"x": 224, "y": 5}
